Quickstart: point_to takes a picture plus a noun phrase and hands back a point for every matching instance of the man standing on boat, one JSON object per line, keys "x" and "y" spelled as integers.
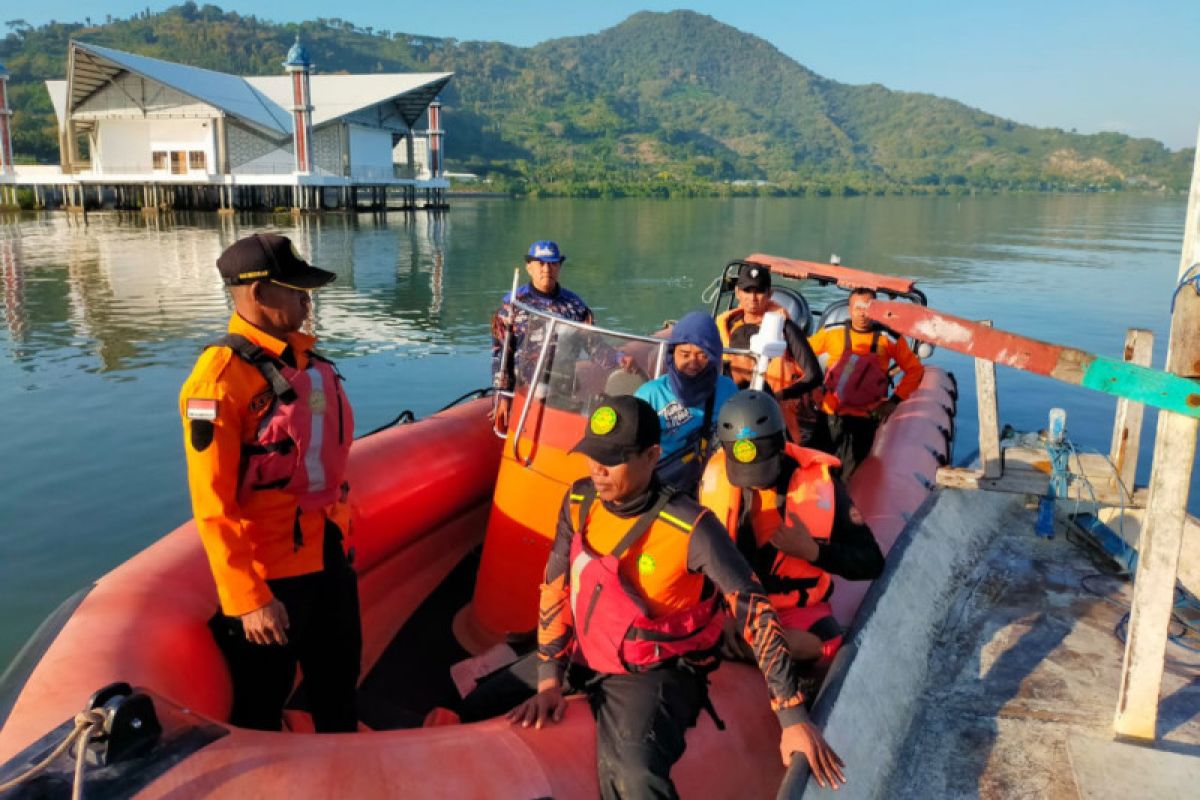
{"x": 857, "y": 378}
{"x": 792, "y": 520}
{"x": 510, "y": 324}
{"x": 792, "y": 376}
{"x": 631, "y": 614}
{"x": 267, "y": 431}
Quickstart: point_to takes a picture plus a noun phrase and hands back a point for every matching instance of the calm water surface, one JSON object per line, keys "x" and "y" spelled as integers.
{"x": 102, "y": 324}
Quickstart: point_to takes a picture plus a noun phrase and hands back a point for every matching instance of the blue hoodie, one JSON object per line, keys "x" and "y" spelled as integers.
{"x": 680, "y": 400}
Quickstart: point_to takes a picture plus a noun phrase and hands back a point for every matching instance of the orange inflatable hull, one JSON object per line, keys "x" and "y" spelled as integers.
{"x": 422, "y": 496}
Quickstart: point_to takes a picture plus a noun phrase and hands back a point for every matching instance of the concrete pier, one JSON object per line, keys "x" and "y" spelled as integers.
{"x": 984, "y": 664}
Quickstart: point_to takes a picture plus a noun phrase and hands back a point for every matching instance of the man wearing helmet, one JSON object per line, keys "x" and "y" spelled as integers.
{"x": 510, "y": 324}
{"x": 791, "y": 518}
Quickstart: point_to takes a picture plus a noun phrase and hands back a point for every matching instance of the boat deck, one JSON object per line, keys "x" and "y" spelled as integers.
{"x": 1023, "y": 682}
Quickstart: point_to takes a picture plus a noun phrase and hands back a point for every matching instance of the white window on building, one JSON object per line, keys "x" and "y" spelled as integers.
{"x": 178, "y": 162}
{"x": 160, "y": 160}
{"x": 197, "y": 161}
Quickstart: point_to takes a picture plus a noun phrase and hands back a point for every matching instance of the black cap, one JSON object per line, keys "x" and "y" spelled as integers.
{"x": 753, "y": 463}
{"x": 619, "y": 428}
{"x": 754, "y": 276}
{"x": 269, "y": 257}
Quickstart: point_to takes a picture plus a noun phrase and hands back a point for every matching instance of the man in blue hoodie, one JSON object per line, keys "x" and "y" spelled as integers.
{"x": 688, "y": 398}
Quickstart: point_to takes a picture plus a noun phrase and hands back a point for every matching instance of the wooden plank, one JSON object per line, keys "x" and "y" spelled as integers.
{"x": 845, "y": 277}
{"x": 1162, "y": 537}
{"x": 989, "y": 416}
{"x": 1142, "y": 384}
{"x": 1017, "y": 480}
{"x": 1127, "y": 423}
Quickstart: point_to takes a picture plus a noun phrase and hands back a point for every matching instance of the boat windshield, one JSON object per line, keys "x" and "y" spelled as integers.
{"x": 568, "y": 365}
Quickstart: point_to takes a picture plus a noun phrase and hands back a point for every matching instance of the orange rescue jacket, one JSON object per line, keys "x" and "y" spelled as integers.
{"x": 782, "y": 372}
{"x": 222, "y": 404}
{"x": 831, "y": 342}
{"x": 790, "y": 581}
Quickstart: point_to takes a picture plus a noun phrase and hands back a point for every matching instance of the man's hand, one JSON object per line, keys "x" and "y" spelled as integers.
{"x": 793, "y": 539}
{"x": 499, "y": 414}
{"x": 806, "y": 738}
{"x": 629, "y": 364}
{"x": 266, "y": 625}
{"x": 544, "y": 707}
{"x": 884, "y": 410}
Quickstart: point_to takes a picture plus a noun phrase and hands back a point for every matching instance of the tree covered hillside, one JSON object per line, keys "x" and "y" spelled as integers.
{"x": 661, "y": 104}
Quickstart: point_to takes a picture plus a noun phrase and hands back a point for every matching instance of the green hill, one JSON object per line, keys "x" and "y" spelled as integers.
{"x": 673, "y": 103}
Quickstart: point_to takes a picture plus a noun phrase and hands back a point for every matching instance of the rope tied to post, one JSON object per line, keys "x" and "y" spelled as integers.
{"x": 87, "y": 724}
{"x": 1192, "y": 276}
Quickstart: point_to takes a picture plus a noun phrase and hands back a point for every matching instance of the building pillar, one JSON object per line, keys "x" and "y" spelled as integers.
{"x": 299, "y": 67}
{"x": 435, "y": 139}
{"x": 6, "y": 154}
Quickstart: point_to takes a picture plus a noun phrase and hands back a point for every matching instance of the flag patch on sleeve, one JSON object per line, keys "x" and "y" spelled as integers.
{"x": 201, "y": 409}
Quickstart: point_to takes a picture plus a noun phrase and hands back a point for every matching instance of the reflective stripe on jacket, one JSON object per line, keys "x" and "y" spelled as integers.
{"x": 247, "y": 539}
{"x": 303, "y": 441}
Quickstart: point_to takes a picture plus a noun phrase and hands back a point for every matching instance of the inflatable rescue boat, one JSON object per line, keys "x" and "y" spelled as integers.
{"x": 453, "y": 522}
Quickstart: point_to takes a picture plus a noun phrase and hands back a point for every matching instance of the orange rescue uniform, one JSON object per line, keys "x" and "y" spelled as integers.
{"x": 831, "y": 342}
{"x": 246, "y": 543}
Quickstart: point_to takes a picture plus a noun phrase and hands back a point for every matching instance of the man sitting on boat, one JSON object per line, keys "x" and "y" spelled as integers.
{"x": 687, "y": 398}
{"x": 633, "y": 556}
{"x": 792, "y": 376}
{"x": 791, "y": 519}
{"x": 267, "y": 431}
{"x": 510, "y": 324}
{"x": 857, "y": 379}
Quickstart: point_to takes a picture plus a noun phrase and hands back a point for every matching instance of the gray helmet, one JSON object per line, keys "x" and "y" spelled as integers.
{"x": 750, "y": 414}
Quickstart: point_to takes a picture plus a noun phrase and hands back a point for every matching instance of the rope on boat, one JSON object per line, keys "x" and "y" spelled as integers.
{"x": 87, "y": 723}
{"x": 1192, "y": 276}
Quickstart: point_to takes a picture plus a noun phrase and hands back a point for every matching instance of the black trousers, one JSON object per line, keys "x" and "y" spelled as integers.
{"x": 847, "y": 437}
{"x": 324, "y": 637}
{"x": 641, "y": 719}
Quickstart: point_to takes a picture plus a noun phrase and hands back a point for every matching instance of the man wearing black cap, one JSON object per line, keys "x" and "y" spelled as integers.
{"x": 631, "y": 614}
{"x": 792, "y": 376}
{"x": 267, "y": 431}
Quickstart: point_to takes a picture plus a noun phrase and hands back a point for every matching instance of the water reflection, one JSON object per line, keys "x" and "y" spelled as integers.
{"x": 115, "y": 294}
{"x": 102, "y": 323}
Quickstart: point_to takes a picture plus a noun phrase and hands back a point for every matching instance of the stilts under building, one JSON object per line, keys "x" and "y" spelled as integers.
{"x": 139, "y": 132}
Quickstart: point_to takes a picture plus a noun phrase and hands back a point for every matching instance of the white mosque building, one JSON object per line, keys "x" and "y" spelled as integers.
{"x": 161, "y": 133}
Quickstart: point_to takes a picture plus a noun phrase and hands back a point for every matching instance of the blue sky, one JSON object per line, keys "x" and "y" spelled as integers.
{"x": 1094, "y": 65}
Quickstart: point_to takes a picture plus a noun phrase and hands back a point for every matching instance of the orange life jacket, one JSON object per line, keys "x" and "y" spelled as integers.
{"x": 634, "y": 602}
{"x": 303, "y": 442}
{"x": 789, "y": 581}
{"x": 782, "y": 372}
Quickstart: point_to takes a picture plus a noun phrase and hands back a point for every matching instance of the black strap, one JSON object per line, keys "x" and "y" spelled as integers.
{"x": 266, "y": 364}
{"x": 747, "y": 542}
{"x": 639, "y": 527}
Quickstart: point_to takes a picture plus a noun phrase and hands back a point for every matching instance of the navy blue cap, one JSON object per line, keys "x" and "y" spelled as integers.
{"x": 547, "y": 251}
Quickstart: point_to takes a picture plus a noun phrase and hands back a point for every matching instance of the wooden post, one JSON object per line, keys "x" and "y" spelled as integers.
{"x": 1166, "y": 509}
{"x": 1127, "y": 424}
{"x": 989, "y": 416}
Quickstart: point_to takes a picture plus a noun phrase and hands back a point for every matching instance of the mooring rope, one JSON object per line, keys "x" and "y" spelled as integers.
{"x": 86, "y": 723}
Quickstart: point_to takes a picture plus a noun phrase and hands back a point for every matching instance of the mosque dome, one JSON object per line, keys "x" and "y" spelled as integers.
{"x": 297, "y": 56}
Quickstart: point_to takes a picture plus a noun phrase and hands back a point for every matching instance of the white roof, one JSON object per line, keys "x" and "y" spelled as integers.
{"x": 264, "y": 101}
{"x": 94, "y": 66}
{"x": 58, "y": 99}
{"x": 335, "y": 96}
